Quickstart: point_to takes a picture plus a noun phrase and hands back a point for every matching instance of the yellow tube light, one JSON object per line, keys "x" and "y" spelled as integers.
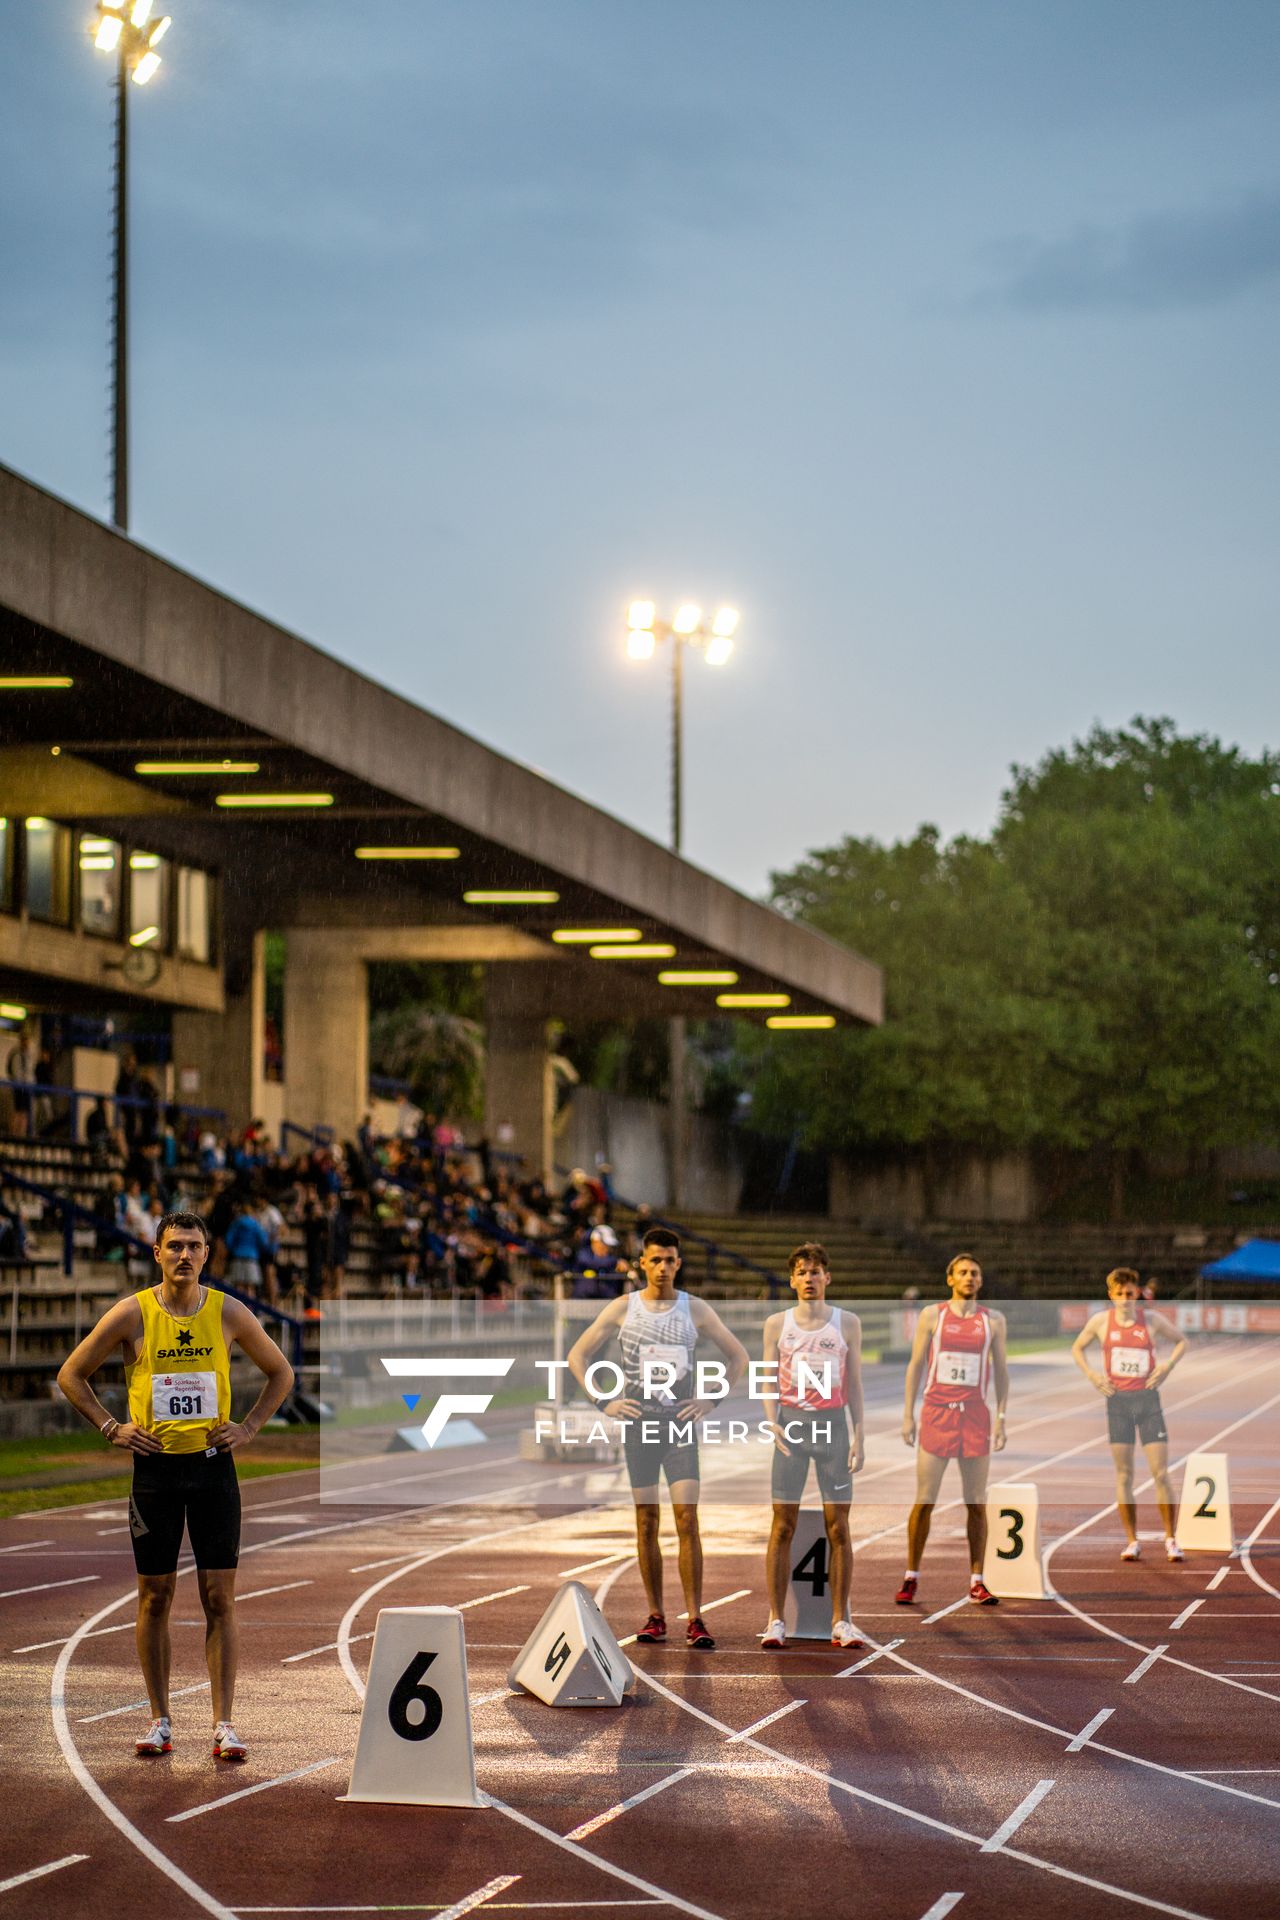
{"x": 196, "y": 766}
{"x": 144, "y": 936}
{"x": 37, "y": 822}
{"x": 89, "y": 844}
{"x": 142, "y": 862}
{"x": 406, "y": 853}
{"x": 645, "y": 951}
{"x": 275, "y": 800}
{"x": 510, "y": 897}
{"x": 753, "y": 999}
{"x": 705, "y": 979}
{"x": 19, "y": 682}
{"x": 800, "y": 1022}
{"x": 10, "y": 1011}
{"x": 591, "y": 936}
{"x": 97, "y": 863}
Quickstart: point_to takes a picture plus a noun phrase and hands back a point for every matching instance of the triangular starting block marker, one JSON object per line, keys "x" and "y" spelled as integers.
{"x": 415, "y": 1747}
{"x": 1204, "y": 1512}
{"x": 1012, "y": 1567}
{"x": 571, "y": 1659}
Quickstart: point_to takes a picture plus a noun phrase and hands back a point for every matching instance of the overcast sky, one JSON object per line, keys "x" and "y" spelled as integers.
{"x": 941, "y": 339}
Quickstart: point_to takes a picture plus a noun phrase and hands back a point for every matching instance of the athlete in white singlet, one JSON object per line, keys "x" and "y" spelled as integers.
{"x": 1130, "y": 1380}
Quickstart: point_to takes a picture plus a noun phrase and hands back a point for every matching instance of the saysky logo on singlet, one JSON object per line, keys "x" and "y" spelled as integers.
{"x": 428, "y": 1369}
{"x": 187, "y": 1352}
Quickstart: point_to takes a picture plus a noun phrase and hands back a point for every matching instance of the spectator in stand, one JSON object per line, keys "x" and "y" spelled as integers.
{"x": 212, "y": 1155}
{"x": 13, "y": 1234}
{"x": 97, "y": 1128}
{"x": 45, "y": 1077}
{"x": 139, "y": 1220}
{"x": 599, "y": 1270}
{"x": 315, "y": 1240}
{"x": 338, "y": 1247}
{"x": 248, "y": 1250}
{"x": 127, "y": 1117}
{"x": 21, "y": 1065}
{"x": 149, "y": 1113}
{"x": 271, "y": 1220}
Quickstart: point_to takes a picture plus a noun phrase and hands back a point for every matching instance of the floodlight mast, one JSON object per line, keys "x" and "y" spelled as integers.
{"x": 127, "y": 29}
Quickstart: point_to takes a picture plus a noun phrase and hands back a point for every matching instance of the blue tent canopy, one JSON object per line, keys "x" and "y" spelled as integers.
{"x": 1255, "y": 1260}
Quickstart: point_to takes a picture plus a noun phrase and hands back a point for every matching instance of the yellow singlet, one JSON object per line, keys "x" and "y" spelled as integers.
{"x": 180, "y": 1384}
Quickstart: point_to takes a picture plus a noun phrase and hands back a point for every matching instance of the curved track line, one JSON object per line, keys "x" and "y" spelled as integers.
{"x": 1245, "y": 1559}
{"x": 922, "y": 1819}
{"x": 1113, "y": 1633}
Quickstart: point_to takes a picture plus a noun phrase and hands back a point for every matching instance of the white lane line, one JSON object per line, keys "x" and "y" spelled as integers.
{"x": 105, "y": 1530}
{"x": 1246, "y": 1550}
{"x": 1193, "y": 1773}
{"x": 392, "y": 1560}
{"x": 87, "y": 1719}
{"x": 942, "y": 1612}
{"x": 38, "y": 1873}
{"x": 33, "y": 1546}
{"x": 504, "y": 1593}
{"x": 1085, "y": 1734}
{"x": 1007, "y": 1828}
{"x": 1217, "y": 1579}
{"x": 477, "y": 1700}
{"x": 768, "y": 1721}
{"x": 601, "y": 1866}
{"x": 1186, "y": 1613}
{"x": 866, "y": 1660}
{"x": 478, "y": 1898}
{"x": 330, "y": 1646}
{"x": 589, "y": 1566}
{"x": 38, "y": 1646}
{"x": 47, "y": 1586}
{"x": 942, "y": 1906}
{"x": 624, "y": 1806}
{"x": 259, "y": 1786}
{"x": 928, "y": 1820}
{"x": 723, "y": 1601}
{"x": 260, "y": 1593}
{"x": 1144, "y": 1666}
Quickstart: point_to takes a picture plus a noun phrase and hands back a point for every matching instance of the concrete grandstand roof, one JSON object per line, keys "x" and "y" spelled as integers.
{"x": 164, "y": 664}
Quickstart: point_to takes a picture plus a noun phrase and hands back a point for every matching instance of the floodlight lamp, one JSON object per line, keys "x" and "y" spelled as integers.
{"x": 719, "y": 649}
{"x": 159, "y": 30}
{"x": 688, "y": 619}
{"x": 640, "y": 616}
{"x": 640, "y": 644}
{"x": 725, "y": 624}
{"x": 107, "y": 37}
{"x": 140, "y": 13}
{"x": 145, "y": 68}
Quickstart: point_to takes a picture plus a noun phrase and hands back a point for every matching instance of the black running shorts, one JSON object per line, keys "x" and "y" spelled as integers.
{"x": 655, "y": 1444}
{"x": 197, "y": 1490}
{"x": 1138, "y": 1414}
{"x": 830, "y": 1457}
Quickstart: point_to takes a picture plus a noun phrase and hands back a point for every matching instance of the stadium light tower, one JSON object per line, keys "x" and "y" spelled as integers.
{"x": 686, "y": 629}
{"x": 129, "y": 30}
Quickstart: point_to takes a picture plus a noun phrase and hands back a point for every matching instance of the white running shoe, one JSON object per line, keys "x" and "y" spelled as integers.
{"x": 1172, "y": 1551}
{"x": 1132, "y": 1552}
{"x": 227, "y": 1744}
{"x": 158, "y": 1738}
{"x": 845, "y": 1634}
{"x": 775, "y": 1636}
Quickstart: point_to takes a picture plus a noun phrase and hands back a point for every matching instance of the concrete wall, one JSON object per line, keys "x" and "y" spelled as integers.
{"x": 970, "y": 1188}
{"x": 634, "y": 1137}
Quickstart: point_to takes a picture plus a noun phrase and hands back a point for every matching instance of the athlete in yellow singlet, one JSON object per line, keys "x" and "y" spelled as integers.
{"x": 176, "y": 1339}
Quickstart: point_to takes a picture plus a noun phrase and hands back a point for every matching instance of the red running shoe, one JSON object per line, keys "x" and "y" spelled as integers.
{"x": 653, "y": 1630}
{"x": 698, "y": 1636}
{"x": 906, "y": 1594}
{"x": 979, "y": 1593}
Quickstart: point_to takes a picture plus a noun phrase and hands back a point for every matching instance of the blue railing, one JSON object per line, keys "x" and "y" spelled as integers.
{"x": 38, "y": 1090}
{"x": 314, "y": 1136}
{"x": 73, "y": 1210}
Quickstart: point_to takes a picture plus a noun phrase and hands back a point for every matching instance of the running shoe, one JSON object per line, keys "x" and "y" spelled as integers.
{"x": 845, "y": 1634}
{"x": 775, "y": 1637}
{"x": 1172, "y": 1551}
{"x": 158, "y": 1738}
{"x": 980, "y": 1595}
{"x": 653, "y": 1631}
{"x": 227, "y": 1744}
{"x": 906, "y": 1594}
{"x": 1132, "y": 1552}
{"x": 698, "y": 1636}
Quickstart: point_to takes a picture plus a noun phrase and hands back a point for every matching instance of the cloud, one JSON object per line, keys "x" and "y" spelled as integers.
{"x": 1159, "y": 262}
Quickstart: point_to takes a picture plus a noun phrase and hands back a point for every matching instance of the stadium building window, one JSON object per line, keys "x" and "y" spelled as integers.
{"x": 195, "y": 933}
{"x": 47, "y": 860}
{"x": 101, "y": 871}
{"x": 6, "y": 865}
{"x": 148, "y": 891}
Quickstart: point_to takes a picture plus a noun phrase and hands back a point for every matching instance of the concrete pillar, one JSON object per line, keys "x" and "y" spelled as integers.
{"x": 218, "y": 1057}
{"x": 519, "y": 1092}
{"x": 326, "y": 1031}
